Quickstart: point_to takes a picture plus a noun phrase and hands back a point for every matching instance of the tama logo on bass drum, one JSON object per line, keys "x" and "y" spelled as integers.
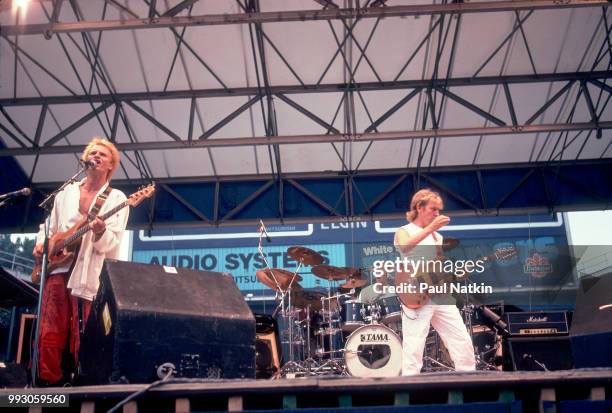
{"x": 374, "y": 337}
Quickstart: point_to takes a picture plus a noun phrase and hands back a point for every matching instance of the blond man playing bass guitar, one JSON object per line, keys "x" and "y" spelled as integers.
{"x": 419, "y": 239}
{"x": 73, "y": 272}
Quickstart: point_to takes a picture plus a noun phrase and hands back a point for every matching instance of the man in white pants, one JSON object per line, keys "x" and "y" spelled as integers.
{"x": 424, "y": 220}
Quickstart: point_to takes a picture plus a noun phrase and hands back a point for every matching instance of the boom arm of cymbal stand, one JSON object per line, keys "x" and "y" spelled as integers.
{"x": 263, "y": 257}
{"x": 294, "y": 275}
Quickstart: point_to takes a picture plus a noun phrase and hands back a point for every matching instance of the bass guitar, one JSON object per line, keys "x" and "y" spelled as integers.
{"x": 415, "y": 298}
{"x": 63, "y": 246}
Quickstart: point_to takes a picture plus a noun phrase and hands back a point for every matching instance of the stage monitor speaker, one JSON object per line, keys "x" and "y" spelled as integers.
{"x": 538, "y": 354}
{"x": 267, "y": 361}
{"x": 146, "y": 316}
{"x": 591, "y": 331}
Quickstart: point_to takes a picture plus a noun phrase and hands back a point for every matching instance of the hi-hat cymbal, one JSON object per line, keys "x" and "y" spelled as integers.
{"x": 305, "y": 255}
{"x": 329, "y": 272}
{"x": 283, "y": 277}
{"x": 449, "y": 243}
{"x": 353, "y": 283}
{"x": 304, "y": 298}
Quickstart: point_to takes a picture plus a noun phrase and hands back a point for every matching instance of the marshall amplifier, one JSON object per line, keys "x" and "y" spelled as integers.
{"x": 546, "y": 323}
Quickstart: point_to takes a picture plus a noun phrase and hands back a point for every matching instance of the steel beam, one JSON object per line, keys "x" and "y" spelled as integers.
{"x": 154, "y": 121}
{"x": 549, "y": 102}
{"x": 229, "y": 117}
{"x": 307, "y": 113}
{"x": 393, "y": 109}
{"x": 248, "y": 200}
{"x": 301, "y": 139}
{"x": 314, "y": 198}
{"x": 333, "y": 175}
{"x": 515, "y": 179}
{"x": 41, "y": 122}
{"x": 601, "y": 85}
{"x": 300, "y": 15}
{"x": 178, "y": 8}
{"x": 323, "y": 88}
{"x": 77, "y": 124}
{"x": 472, "y": 107}
{"x": 185, "y": 203}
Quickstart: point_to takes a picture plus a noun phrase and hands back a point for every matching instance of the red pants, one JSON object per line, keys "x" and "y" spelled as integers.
{"x": 59, "y": 327}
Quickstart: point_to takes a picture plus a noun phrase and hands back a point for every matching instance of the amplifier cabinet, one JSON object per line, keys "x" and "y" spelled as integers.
{"x": 537, "y": 323}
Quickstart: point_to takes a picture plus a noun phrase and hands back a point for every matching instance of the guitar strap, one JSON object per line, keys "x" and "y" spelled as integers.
{"x": 100, "y": 200}
{"x": 438, "y": 247}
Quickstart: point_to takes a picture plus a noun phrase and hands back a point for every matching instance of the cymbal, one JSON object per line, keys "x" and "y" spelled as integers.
{"x": 305, "y": 255}
{"x": 266, "y": 276}
{"x": 303, "y": 298}
{"x": 353, "y": 283}
{"x": 329, "y": 272}
{"x": 449, "y": 243}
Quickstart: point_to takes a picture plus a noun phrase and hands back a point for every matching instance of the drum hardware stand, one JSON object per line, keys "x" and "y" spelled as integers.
{"x": 428, "y": 360}
{"x": 291, "y": 366}
{"x": 309, "y": 362}
{"x": 329, "y": 319}
{"x": 479, "y": 357}
{"x": 481, "y": 364}
{"x": 468, "y": 313}
{"x": 331, "y": 366}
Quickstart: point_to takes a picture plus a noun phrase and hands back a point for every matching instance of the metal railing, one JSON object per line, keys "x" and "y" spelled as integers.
{"x": 16, "y": 265}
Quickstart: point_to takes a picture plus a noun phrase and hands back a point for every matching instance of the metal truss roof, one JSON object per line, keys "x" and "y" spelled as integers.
{"x": 242, "y": 104}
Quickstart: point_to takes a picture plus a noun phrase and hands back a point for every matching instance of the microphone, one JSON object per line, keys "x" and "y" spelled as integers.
{"x": 87, "y": 163}
{"x": 494, "y": 318}
{"x": 262, "y": 228}
{"x": 21, "y": 192}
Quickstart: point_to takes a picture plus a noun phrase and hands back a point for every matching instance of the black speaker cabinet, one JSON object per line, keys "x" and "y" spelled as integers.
{"x": 145, "y": 316}
{"x": 591, "y": 331}
{"x": 538, "y": 354}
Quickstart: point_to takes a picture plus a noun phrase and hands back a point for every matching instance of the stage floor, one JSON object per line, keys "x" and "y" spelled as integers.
{"x": 529, "y": 390}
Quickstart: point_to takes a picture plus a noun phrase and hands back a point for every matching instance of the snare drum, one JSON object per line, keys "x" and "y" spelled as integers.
{"x": 373, "y": 351}
{"x": 354, "y": 315}
{"x": 390, "y": 309}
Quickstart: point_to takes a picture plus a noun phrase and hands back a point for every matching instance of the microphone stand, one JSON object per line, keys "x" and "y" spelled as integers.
{"x": 47, "y": 206}
{"x": 4, "y": 202}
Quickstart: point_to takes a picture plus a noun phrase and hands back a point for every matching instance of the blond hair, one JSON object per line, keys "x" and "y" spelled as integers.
{"x": 108, "y": 145}
{"x": 421, "y": 198}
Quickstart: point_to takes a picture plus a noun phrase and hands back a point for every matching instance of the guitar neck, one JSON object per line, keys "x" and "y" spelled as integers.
{"x": 85, "y": 228}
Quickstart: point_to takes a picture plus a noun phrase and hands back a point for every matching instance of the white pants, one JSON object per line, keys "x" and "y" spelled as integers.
{"x": 448, "y": 323}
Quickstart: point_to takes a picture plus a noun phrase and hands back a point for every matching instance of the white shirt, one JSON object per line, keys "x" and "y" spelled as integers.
{"x": 85, "y": 277}
{"x": 427, "y": 248}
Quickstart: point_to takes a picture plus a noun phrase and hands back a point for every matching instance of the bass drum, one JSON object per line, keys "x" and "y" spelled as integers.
{"x": 373, "y": 351}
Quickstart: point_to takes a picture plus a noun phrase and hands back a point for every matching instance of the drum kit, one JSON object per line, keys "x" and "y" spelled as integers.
{"x": 340, "y": 332}
{"x": 333, "y": 332}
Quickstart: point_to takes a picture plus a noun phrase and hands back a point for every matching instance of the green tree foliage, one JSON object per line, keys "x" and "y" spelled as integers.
{"x": 21, "y": 246}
